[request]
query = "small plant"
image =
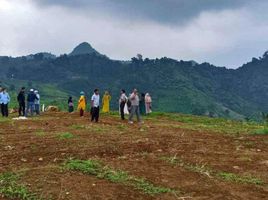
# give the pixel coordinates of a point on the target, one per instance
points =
(240, 179)
(66, 135)
(9, 188)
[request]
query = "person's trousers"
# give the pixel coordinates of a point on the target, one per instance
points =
(37, 108)
(30, 108)
(122, 107)
(81, 112)
(21, 108)
(135, 110)
(4, 110)
(95, 114)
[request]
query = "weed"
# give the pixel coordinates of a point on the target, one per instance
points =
(239, 179)
(65, 135)
(11, 189)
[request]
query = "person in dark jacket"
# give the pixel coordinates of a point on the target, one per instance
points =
(21, 100)
(30, 102)
(70, 104)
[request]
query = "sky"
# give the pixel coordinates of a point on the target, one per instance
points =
(222, 32)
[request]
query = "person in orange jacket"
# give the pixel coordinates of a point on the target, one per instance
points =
(82, 104)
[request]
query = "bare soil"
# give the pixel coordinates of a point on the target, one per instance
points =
(33, 149)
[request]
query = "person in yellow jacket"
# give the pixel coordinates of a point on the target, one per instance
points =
(82, 104)
(106, 102)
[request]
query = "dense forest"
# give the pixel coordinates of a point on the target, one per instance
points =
(176, 86)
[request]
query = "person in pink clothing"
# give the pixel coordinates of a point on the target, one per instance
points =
(148, 103)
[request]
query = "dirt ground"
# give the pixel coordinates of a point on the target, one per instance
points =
(34, 149)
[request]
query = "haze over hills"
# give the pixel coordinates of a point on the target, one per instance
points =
(176, 86)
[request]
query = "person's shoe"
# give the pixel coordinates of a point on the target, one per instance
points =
(130, 122)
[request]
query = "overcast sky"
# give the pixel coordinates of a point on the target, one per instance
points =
(222, 32)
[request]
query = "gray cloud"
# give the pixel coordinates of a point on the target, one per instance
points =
(161, 11)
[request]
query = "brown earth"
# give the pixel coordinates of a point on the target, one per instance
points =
(33, 149)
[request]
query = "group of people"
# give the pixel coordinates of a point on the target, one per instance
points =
(134, 104)
(33, 102)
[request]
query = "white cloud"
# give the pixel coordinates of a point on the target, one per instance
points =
(228, 37)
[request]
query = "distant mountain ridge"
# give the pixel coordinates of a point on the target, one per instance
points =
(176, 86)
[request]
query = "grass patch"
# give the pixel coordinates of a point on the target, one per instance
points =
(40, 133)
(9, 188)
(78, 127)
(66, 135)
(93, 167)
(239, 179)
(204, 170)
(263, 131)
(218, 125)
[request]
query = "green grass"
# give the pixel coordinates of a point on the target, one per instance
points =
(203, 123)
(263, 131)
(65, 135)
(205, 170)
(40, 133)
(239, 179)
(93, 167)
(10, 188)
(78, 127)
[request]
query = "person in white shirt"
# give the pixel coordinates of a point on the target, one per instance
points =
(122, 103)
(148, 103)
(37, 102)
(95, 106)
(135, 110)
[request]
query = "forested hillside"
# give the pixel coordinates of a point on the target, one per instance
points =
(176, 86)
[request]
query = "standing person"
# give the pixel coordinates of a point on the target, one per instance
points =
(70, 105)
(5, 99)
(106, 102)
(30, 102)
(148, 103)
(95, 106)
(142, 104)
(134, 98)
(37, 102)
(82, 104)
(1, 92)
(21, 100)
(122, 103)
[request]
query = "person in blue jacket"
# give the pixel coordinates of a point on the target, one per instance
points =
(30, 102)
(5, 99)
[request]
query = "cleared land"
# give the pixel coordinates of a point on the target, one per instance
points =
(63, 156)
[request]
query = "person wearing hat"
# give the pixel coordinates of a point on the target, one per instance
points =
(135, 110)
(82, 104)
(21, 100)
(37, 102)
(30, 102)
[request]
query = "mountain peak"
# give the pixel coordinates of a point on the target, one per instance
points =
(83, 48)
